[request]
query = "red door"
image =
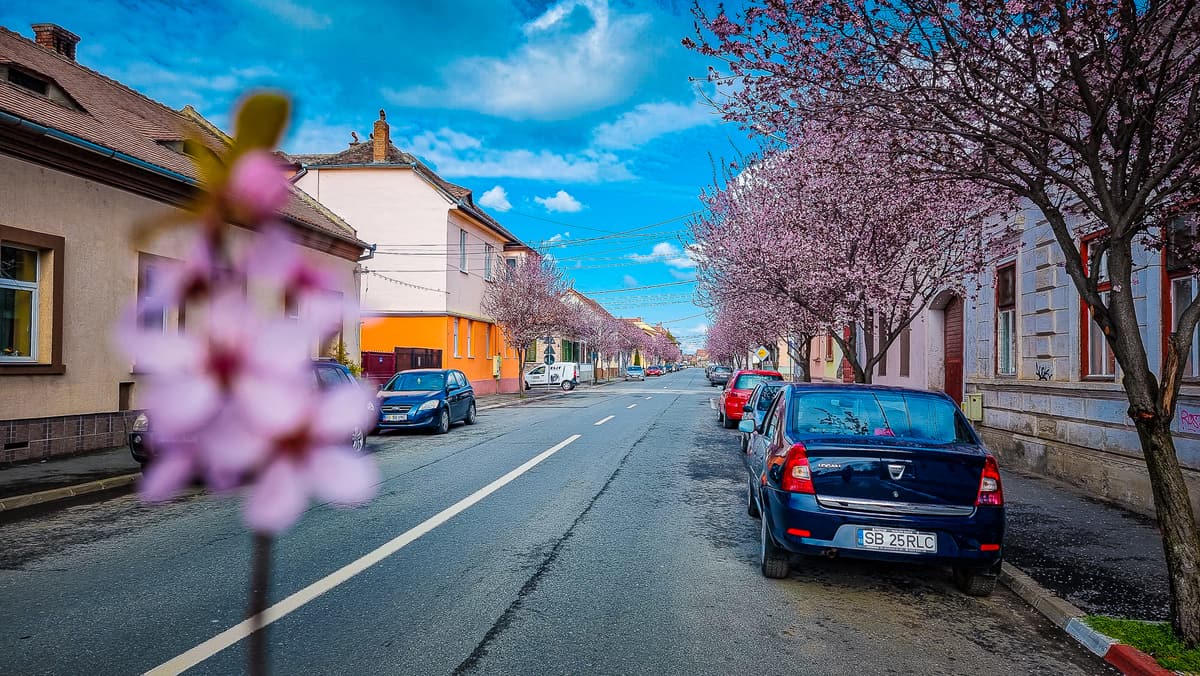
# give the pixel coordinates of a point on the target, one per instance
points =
(952, 339)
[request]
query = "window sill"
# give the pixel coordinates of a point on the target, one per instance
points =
(463, 271)
(31, 369)
(1099, 379)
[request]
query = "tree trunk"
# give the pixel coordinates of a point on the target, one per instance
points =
(1177, 523)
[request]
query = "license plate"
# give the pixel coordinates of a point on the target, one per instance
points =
(890, 540)
(395, 417)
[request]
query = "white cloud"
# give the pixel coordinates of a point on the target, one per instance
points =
(457, 154)
(294, 13)
(566, 65)
(629, 280)
(496, 198)
(648, 121)
(561, 201)
(669, 254)
(558, 237)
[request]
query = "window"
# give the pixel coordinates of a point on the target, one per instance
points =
(460, 380)
(1006, 320)
(902, 414)
(456, 354)
(489, 252)
(31, 303)
(1183, 291)
(470, 345)
(462, 250)
(1097, 357)
(883, 360)
(829, 347)
(511, 263)
(19, 303)
(26, 81)
(152, 314)
(905, 351)
(487, 340)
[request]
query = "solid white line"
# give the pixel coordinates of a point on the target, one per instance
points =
(604, 420)
(294, 602)
(631, 406)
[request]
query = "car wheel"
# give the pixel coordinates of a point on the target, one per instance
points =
(357, 439)
(751, 503)
(470, 419)
(729, 424)
(527, 386)
(974, 582)
(773, 560)
(720, 417)
(744, 442)
(567, 385)
(443, 425)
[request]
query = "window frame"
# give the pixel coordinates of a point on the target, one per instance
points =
(470, 343)
(906, 352)
(462, 251)
(489, 252)
(1089, 331)
(55, 247)
(33, 289)
(1009, 309)
(457, 355)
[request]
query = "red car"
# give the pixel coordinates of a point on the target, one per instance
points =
(654, 370)
(737, 392)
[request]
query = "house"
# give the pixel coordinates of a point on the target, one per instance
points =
(592, 364)
(83, 160)
(1051, 391)
(436, 253)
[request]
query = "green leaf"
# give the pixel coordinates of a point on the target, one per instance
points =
(261, 120)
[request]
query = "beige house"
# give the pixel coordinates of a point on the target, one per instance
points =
(83, 159)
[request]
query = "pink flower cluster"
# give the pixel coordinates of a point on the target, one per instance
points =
(232, 399)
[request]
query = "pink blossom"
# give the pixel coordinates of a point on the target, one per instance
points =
(257, 187)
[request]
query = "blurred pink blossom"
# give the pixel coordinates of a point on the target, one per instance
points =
(257, 187)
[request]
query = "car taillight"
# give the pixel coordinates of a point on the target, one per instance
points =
(797, 475)
(991, 494)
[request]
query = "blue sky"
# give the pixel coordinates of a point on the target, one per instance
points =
(569, 120)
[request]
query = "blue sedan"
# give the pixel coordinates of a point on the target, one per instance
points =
(878, 473)
(426, 398)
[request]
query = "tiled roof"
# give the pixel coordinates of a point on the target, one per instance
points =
(119, 118)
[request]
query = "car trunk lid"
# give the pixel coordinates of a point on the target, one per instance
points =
(895, 477)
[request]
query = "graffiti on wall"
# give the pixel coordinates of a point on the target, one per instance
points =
(1042, 371)
(1189, 421)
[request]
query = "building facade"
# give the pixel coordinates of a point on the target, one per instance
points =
(83, 161)
(437, 251)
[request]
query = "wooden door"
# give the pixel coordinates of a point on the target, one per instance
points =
(952, 340)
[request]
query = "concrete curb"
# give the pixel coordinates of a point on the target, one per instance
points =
(55, 494)
(1127, 659)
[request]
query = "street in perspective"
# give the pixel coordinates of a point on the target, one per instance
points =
(599, 337)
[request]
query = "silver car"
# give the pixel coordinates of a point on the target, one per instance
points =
(635, 373)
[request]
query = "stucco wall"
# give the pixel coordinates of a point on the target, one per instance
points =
(466, 289)
(101, 267)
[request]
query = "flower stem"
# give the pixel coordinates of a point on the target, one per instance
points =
(259, 582)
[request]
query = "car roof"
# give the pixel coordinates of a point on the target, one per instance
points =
(860, 387)
(758, 372)
(426, 371)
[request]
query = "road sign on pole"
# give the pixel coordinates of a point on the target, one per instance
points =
(762, 353)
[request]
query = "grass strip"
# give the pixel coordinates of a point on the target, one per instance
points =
(1156, 639)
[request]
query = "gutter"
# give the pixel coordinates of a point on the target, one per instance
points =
(41, 130)
(370, 253)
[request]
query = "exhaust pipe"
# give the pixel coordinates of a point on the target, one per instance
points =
(830, 553)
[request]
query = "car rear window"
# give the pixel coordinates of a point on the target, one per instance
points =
(911, 415)
(722, 369)
(767, 396)
(747, 381)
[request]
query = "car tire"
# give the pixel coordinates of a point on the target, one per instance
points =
(443, 425)
(744, 442)
(772, 559)
(751, 503)
(974, 582)
(527, 386)
(358, 440)
(720, 418)
(567, 385)
(470, 419)
(729, 424)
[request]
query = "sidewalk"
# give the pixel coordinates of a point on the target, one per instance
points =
(27, 478)
(1101, 558)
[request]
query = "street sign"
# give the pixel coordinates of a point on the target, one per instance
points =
(549, 360)
(762, 353)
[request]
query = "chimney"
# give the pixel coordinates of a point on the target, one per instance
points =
(56, 38)
(380, 138)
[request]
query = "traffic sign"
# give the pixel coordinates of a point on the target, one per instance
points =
(549, 360)
(762, 353)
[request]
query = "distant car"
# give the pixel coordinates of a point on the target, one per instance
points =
(719, 375)
(426, 398)
(878, 473)
(565, 374)
(756, 406)
(635, 373)
(737, 391)
(326, 374)
(654, 370)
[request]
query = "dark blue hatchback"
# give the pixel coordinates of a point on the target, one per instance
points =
(874, 472)
(426, 398)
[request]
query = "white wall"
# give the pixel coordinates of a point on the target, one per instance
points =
(466, 289)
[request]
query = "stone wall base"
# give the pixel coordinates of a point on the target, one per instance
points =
(1111, 477)
(35, 439)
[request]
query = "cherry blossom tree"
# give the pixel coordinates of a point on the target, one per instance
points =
(527, 302)
(1086, 110)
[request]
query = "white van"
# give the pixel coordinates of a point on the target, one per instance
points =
(565, 374)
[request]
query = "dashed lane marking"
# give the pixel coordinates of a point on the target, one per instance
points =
(604, 420)
(631, 406)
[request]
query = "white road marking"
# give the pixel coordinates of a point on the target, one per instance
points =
(649, 397)
(297, 600)
(631, 406)
(604, 420)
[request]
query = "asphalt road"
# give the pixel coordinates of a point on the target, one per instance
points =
(626, 550)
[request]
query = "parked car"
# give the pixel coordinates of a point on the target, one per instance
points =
(719, 375)
(565, 374)
(426, 398)
(737, 391)
(874, 472)
(654, 370)
(327, 373)
(761, 398)
(635, 373)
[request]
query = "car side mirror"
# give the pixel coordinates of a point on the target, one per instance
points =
(746, 425)
(747, 409)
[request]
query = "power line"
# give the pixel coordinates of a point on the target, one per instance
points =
(638, 288)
